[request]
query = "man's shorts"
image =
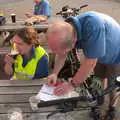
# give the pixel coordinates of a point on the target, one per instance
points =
(107, 71)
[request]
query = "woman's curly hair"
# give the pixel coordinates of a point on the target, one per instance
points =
(29, 35)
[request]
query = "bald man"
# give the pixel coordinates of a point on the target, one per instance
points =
(98, 35)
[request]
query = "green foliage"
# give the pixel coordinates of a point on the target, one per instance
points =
(94, 84)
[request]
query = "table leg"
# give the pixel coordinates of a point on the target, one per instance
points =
(8, 38)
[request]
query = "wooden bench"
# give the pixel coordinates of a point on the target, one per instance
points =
(16, 93)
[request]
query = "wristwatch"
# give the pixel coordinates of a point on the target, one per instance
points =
(73, 84)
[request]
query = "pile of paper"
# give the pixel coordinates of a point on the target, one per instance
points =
(46, 93)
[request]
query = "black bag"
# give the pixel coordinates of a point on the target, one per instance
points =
(2, 20)
(71, 65)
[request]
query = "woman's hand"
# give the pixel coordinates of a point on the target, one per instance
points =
(8, 64)
(9, 60)
(28, 15)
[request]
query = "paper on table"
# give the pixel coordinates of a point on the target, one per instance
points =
(46, 93)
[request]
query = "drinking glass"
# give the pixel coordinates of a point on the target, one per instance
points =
(15, 114)
(34, 100)
(13, 17)
(14, 52)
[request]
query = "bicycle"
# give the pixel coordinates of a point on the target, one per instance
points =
(71, 104)
(67, 11)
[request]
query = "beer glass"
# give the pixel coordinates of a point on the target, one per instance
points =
(14, 52)
(13, 17)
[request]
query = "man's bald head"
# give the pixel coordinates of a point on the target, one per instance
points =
(60, 35)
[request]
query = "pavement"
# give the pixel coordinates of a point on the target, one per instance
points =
(111, 7)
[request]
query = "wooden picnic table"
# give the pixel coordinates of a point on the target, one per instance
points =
(15, 94)
(20, 24)
(11, 27)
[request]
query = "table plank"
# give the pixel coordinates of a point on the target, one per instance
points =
(19, 90)
(5, 83)
(14, 98)
(17, 26)
(25, 107)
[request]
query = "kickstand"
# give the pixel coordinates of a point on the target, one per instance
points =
(60, 111)
(53, 113)
(63, 108)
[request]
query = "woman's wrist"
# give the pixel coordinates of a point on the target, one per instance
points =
(9, 64)
(8, 69)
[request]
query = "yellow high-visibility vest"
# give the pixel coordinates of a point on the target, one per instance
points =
(27, 72)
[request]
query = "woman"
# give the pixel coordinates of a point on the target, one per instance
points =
(32, 60)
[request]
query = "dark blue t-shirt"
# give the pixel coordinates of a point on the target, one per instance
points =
(98, 35)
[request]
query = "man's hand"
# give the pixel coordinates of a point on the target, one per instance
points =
(28, 15)
(63, 89)
(52, 79)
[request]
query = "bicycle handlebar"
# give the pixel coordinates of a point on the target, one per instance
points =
(59, 13)
(83, 6)
(71, 10)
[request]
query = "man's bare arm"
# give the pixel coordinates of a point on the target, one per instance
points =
(59, 62)
(29, 15)
(84, 71)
